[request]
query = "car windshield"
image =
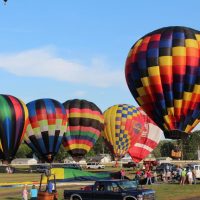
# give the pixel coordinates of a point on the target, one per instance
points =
(128, 185)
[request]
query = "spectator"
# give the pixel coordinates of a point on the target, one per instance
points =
(138, 175)
(122, 174)
(25, 193)
(189, 177)
(149, 176)
(183, 177)
(155, 177)
(49, 187)
(179, 171)
(194, 175)
(33, 193)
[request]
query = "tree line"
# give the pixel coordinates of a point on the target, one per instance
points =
(189, 148)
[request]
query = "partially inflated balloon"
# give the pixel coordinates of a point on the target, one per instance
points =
(123, 127)
(13, 122)
(47, 125)
(84, 127)
(163, 74)
(148, 141)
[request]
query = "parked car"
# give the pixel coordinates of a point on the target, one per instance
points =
(129, 165)
(42, 168)
(94, 165)
(111, 189)
(67, 165)
(166, 167)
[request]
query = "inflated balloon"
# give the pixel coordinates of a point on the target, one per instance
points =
(163, 74)
(148, 141)
(123, 127)
(84, 127)
(47, 125)
(13, 122)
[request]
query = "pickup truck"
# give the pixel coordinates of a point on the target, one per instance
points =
(111, 189)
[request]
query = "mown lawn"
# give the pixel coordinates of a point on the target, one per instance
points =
(163, 191)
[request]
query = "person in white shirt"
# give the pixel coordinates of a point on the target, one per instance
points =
(190, 177)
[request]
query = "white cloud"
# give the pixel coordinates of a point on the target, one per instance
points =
(79, 94)
(45, 63)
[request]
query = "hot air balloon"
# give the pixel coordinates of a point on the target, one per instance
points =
(84, 127)
(47, 124)
(13, 122)
(148, 141)
(123, 127)
(163, 74)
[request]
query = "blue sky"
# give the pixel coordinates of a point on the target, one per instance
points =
(77, 49)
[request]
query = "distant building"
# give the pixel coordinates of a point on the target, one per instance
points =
(102, 158)
(164, 160)
(127, 158)
(24, 161)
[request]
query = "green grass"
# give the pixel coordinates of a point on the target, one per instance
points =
(163, 191)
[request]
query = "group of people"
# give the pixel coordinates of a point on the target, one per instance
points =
(33, 193)
(50, 188)
(181, 175)
(146, 176)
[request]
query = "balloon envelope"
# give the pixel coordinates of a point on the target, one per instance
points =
(148, 141)
(13, 122)
(123, 127)
(47, 124)
(84, 127)
(163, 74)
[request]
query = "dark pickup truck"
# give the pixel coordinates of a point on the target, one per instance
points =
(111, 189)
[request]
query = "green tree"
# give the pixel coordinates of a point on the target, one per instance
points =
(61, 155)
(166, 148)
(23, 151)
(190, 146)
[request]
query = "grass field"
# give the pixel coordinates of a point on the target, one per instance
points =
(163, 191)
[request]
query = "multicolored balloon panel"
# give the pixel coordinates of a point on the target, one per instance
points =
(123, 127)
(47, 125)
(163, 74)
(148, 141)
(13, 122)
(84, 128)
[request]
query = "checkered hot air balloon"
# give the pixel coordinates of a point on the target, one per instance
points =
(47, 124)
(13, 122)
(148, 141)
(123, 127)
(163, 74)
(84, 127)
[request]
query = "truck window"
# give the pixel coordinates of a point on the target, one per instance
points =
(100, 187)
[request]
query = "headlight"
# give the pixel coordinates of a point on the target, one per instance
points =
(140, 197)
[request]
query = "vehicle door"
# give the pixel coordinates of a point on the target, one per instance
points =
(113, 191)
(107, 191)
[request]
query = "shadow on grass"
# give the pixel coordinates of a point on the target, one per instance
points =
(10, 198)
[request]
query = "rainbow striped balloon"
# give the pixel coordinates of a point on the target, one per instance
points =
(123, 127)
(47, 124)
(163, 74)
(84, 127)
(13, 122)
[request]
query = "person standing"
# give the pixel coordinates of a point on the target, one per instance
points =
(149, 176)
(189, 177)
(122, 174)
(183, 177)
(194, 175)
(25, 193)
(34, 193)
